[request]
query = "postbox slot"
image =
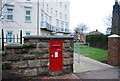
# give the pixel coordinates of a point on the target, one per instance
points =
(56, 45)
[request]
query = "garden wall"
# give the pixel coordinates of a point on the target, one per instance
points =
(32, 57)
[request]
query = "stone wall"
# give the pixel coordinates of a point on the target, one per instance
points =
(32, 57)
(114, 50)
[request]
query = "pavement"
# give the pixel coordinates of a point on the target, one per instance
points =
(111, 73)
(85, 64)
(87, 68)
(69, 77)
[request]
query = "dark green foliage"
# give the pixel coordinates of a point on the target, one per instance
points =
(98, 40)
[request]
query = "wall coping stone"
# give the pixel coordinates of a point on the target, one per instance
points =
(48, 37)
(14, 46)
(112, 36)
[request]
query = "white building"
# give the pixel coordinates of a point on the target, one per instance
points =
(35, 17)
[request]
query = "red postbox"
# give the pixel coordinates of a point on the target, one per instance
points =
(56, 55)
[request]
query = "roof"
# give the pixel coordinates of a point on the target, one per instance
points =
(95, 32)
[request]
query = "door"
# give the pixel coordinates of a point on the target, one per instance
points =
(56, 56)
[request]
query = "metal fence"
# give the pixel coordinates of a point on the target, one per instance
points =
(81, 49)
(11, 39)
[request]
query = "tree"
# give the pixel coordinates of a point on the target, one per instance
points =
(80, 29)
(108, 22)
(2, 6)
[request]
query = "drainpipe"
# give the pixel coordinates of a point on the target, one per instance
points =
(0, 8)
(38, 18)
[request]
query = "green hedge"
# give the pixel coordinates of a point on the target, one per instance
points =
(98, 40)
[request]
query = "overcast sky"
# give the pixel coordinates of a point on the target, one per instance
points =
(90, 12)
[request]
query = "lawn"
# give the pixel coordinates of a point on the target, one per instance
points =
(91, 52)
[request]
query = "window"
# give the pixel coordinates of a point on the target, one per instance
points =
(50, 22)
(65, 6)
(61, 4)
(62, 26)
(9, 14)
(28, 34)
(56, 13)
(42, 19)
(46, 18)
(47, 8)
(28, 15)
(51, 11)
(66, 27)
(65, 17)
(60, 15)
(57, 25)
(9, 37)
(43, 4)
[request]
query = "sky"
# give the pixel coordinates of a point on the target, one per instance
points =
(90, 12)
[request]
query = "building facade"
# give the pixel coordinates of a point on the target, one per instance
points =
(116, 18)
(35, 17)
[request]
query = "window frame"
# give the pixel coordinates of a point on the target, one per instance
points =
(9, 37)
(47, 7)
(56, 13)
(27, 33)
(65, 17)
(28, 15)
(9, 14)
(60, 15)
(62, 26)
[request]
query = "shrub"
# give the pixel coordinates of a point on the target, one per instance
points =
(98, 40)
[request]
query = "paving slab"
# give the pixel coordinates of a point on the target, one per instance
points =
(85, 64)
(65, 77)
(111, 73)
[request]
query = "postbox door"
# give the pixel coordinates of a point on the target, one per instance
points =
(55, 56)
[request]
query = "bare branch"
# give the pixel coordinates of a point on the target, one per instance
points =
(81, 28)
(108, 20)
(4, 5)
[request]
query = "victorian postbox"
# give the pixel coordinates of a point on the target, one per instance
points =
(56, 55)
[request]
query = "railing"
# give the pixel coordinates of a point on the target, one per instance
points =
(11, 39)
(45, 25)
(67, 31)
(81, 49)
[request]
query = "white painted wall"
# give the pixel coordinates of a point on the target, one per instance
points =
(19, 22)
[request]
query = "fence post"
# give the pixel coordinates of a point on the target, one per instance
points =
(2, 40)
(13, 38)
(17, 38)
(20, 36)
(7, 38)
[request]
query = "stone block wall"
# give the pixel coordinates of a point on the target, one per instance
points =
(32, 57)
(114, 50)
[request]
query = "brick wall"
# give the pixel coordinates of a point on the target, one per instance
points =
(114, 50)
(32, 57)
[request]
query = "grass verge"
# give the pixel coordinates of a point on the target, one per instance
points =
(94, 53)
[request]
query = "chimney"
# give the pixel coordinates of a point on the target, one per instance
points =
(96, 30)
(116, 1)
